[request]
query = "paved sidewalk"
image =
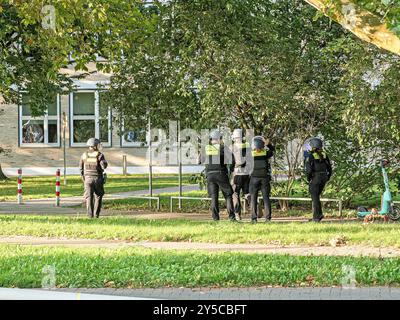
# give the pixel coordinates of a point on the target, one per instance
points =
(70, 204)
(263, 293)
(40, 294)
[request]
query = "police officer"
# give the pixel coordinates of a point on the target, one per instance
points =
(240, 170)
(216, 157)
(318, 172)
(260, 176)
(92, 166)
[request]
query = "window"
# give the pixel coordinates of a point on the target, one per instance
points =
(40, 131)
(89, 118)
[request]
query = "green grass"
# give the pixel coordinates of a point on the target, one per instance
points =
(136, 267)
(43, 187)
(127, 228)
(298, 209)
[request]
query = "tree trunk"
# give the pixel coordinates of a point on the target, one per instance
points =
(362, 23)
(2, 175)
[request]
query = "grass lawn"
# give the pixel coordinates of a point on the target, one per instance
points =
(133, 229)
(298, 209)
(43, 187)
(22, 266)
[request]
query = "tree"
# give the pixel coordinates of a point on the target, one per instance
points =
(37, 42)
(269, 66)
(363, 125)
(252, 64)
(374, 21)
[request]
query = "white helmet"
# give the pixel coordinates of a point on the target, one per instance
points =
(237, 134)
(215, 135)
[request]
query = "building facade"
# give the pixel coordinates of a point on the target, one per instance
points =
(38, 144)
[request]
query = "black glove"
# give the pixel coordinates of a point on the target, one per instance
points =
(104, 178)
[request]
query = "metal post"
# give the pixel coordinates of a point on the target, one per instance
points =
(180, 164)
(124, 166)
(19, 196)
(150, 166)
(64, 147)
(340, 209)
(58, 187)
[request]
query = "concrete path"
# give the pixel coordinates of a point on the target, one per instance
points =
(70, 204)
(41, 294)
(299, 250)
(262, 293)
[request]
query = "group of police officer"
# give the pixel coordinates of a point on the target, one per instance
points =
(251, 173)
(249, 164)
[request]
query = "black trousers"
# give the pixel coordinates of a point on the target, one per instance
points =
(216, 181)
(316, 187)
(263, 184)
(94, 192)
(240, 183)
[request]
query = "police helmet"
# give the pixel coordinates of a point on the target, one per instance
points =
(316, 143)
(258, 143)
(93, 142)
(237, 134)
(215, 135)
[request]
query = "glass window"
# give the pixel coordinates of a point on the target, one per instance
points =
(26, 110)
(33, 131)
(104, 129)
(83, 130)
(52, 108)
(39, 131)
(89, 118)
(53, 131)
(84, 103)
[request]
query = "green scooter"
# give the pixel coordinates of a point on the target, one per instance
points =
(387, 206)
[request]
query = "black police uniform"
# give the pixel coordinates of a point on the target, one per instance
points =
(241, 174)
(215, 157)
(318, 171)
(92, 166)
(260, 178)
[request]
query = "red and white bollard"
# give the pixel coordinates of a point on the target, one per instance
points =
(58, 172)
(19, 196)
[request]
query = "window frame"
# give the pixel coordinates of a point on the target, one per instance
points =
(45, 118)
(96, 118)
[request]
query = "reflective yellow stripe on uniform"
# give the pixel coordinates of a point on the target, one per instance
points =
(260, 153)
(316, 155)
(212, 149)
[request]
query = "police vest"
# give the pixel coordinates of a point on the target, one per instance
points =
(261, 166)
(91, 163)
(215, 158)
(320, 162)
